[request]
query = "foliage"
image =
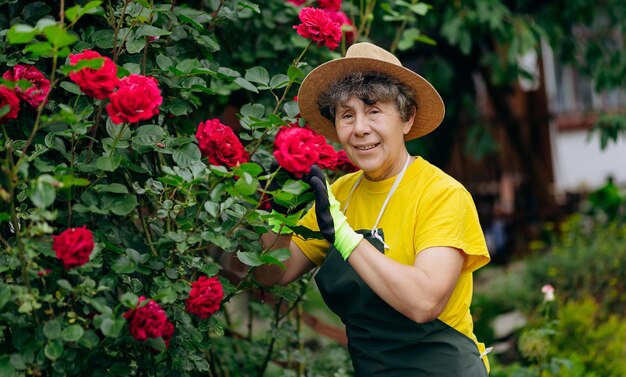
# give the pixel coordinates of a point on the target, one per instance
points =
(162, 218)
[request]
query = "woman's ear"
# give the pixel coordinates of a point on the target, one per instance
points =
(409, 123)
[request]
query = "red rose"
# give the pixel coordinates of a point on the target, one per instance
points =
(346, 24)
(333, 5)
(327, 155)
(297, 148)
(149, 321)
(137, 98)
(73, 246)
(96, 83)
(8, 98)
(205, 297)
(319, 27)
(39, 89)
(344, 163)
(220, 144)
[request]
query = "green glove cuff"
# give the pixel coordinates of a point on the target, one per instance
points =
(346, 239)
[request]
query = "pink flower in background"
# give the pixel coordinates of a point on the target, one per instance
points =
(319, 27)
(97, 83)
(333, 5)
(344, 163)
(137, 98)
(149, 321)
(297, 148)
(346, 24)
(39, 89)
(219, 144)
(8, 98)
(296, 2)
(205, 297)
(73, 246)
(548, 293)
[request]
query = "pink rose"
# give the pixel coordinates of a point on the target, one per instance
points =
(39, 89)
(319, 27)
(297, 148)
(96, 83)
(296, 2)
(219, 144)
(8, 98)
(344, 163)
(73, 246)
(346, 24)
(205, 297)
(137, 98)
(149, 321)
(333, 5)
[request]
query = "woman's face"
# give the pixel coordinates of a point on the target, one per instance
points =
(373, 136)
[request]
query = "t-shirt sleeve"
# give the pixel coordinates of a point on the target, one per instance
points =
(313, 249)
(449, 218)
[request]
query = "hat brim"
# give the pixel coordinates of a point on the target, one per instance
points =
(430, 107)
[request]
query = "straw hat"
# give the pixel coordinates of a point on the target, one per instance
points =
(367, 57)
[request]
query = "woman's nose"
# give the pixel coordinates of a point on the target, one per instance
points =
(361, 126)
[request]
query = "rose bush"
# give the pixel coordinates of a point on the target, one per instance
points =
(131, 192)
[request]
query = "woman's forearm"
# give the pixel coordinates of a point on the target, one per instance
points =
(419, 291)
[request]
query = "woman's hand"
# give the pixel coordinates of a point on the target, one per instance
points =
(331, 221)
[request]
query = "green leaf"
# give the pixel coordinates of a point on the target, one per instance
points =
(164, 62)
(52, 329)
(108, 163)
(245, 84)
(150, 31)
(70, 87)
(6, 369)
(38, 49)
(116, 188)
(149, 134)
(43, 193)
(77, 11)
(89, 340)
(72, 333)
(186, 155)
(5, 295)
(295, 73)
(17, 362)
(122, 205)
(249, 258)
(21, 33)
(129, 300)
(53, 350)
(112, 327)
(187, 65)
(135, 46)
(258, 75)
(279, 81)
(123, 265)
(156, 343)
(246, 185)
(58, 36)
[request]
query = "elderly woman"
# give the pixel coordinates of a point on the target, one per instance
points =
(402, 238)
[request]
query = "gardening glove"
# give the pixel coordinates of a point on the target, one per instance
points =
(332, 222)
(286, 203)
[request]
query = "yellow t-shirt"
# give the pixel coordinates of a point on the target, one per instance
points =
(429, 208)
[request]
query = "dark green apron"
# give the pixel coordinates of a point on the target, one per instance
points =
(383, 342)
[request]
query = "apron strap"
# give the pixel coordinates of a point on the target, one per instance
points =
(396, 182)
